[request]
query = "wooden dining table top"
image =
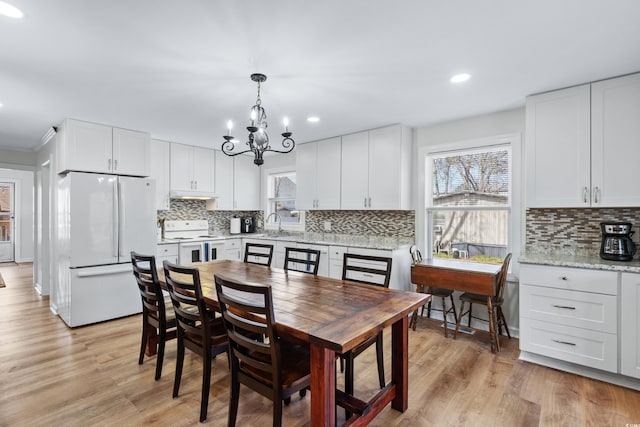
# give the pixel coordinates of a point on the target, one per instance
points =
(463, 276)
(334, 314)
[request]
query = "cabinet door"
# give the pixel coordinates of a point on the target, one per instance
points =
(615, 141)
(203, 169)
(223, 181)
(385, 150)
(355, 171)
(181, 176)
(159, 155)
(246, 184)
(88, 147)
(558, 148)
(630, 325)
(327, 173)
(130, 152)
(306, 176)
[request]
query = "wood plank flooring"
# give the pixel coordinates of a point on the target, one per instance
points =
(51, 375)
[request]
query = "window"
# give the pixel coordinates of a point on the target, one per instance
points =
(468, 203)
(281, 196)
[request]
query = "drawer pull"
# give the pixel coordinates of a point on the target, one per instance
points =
(564, 342)
(564, 278)
(565, 307)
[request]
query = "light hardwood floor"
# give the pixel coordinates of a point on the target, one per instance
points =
(51, 375)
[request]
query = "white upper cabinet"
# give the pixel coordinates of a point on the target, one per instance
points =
(615, 141)
(160, 155)
(192, 169)
(224, 182)
(376, 169)
(318, 174)
(246, 184)
(92, 147)
(582, 145)
(237, 183)
(558, 148)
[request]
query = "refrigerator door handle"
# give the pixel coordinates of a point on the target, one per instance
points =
(121, 221)
(116, 225)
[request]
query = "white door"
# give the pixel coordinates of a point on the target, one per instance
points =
(131, 152)
(136, 216)
(306, 187)
(328, 174)
(92, 219)
(7, 243)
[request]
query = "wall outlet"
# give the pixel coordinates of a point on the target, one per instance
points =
(327, 226)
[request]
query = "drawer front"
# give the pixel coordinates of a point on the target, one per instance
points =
(370, 252)
(588, 348)
(230, 244)
(596, 312)
(574, 279)
(337, 252)
(167, 250)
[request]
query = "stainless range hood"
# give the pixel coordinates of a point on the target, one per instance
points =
(191, 195)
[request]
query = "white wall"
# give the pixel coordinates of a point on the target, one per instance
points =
(474, 128)
(24, 209)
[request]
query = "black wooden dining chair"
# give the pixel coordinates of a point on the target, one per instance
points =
(272, 366)
(370, 270)
(496, 304)
(157, 309)
(300, 259)
(199, 329)
(258, 253)
(441, 293)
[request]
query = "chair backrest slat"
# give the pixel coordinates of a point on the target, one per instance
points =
(502, 277)
(258, 253)
(302, 259)
(371, 270)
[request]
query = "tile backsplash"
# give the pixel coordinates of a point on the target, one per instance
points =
(573, 231)
(399, 225)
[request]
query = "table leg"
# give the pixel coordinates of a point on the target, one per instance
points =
(493, 335)
(400, 363)
(323, 386)
(152, 342)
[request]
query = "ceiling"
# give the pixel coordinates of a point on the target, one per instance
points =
(180, 69)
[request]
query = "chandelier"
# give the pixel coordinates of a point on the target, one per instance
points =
(258, 141)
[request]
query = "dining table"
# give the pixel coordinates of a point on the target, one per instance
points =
(333, 316)
(464, 276)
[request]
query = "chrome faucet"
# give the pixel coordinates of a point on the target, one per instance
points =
(266, 221)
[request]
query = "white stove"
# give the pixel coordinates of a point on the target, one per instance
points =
(195, 242)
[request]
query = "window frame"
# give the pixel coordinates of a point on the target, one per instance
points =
(273, 226)
(424, 235)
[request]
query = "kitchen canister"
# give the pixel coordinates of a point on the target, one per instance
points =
(235, 226)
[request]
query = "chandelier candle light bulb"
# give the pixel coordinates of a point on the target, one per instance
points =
(258, 140)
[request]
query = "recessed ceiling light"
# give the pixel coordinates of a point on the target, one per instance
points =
(459, 78)
(313, 119)
(11, 11)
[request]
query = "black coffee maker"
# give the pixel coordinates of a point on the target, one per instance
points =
(616, 241)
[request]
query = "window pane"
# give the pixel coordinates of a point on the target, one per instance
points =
(284, 186)
(480, 235)
(471, 179)
(286, 209)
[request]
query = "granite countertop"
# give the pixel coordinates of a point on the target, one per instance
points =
(368, 242)
(593, 262)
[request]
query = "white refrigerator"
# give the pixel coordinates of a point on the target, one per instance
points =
(101, 219)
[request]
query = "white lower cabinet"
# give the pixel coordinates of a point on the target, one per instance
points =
(336, 261)
(630, 325)
(166, 252)
(570, 314)
(233, 249)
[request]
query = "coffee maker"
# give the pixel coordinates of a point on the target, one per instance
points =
(616, 241)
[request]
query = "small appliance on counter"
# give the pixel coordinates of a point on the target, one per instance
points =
(234, 227)
(248, 224)
(616, 241)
